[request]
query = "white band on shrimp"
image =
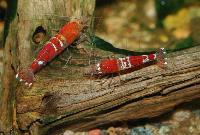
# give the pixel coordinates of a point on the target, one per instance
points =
(125, 63)
(61, 43)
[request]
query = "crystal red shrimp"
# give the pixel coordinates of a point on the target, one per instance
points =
(109, 66)
(66, 36)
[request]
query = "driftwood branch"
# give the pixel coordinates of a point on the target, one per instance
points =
(84, 104)
(23, 19)
(62, 98)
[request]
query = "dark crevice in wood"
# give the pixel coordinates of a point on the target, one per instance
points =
(13, 68)
(57, 102)
(132, 101)
(39, 34)
(27, 130)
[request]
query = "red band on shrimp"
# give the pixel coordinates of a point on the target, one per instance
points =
(66, 36)
(108, 66)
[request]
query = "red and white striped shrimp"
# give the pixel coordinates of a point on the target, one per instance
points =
(66, 36)
(109, 66)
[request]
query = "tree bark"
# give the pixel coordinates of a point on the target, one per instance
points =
(7, 91)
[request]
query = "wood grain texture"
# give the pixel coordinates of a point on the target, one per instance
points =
(24, 17)
(7, 92)
(62, 98)
(84, 104)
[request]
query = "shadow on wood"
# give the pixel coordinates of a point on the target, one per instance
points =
(61, 98)
(60, 103)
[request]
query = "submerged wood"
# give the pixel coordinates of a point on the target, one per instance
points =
(23, 18)
(60, 103)
(61, 98)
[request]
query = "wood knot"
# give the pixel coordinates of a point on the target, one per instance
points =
(39, 34)
(49, 103)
